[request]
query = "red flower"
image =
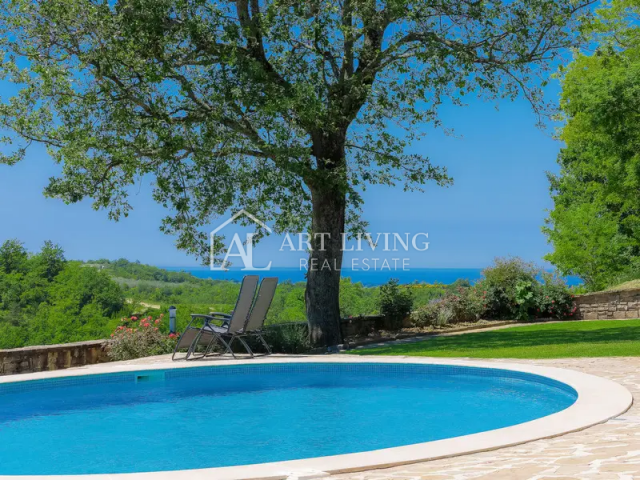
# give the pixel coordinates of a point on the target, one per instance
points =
(157, 321)
(146, 325)
(134, 318)
(553, 301)
(172, 335)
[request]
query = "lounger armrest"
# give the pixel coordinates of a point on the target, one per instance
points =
(201, 315)
(220, 314)
(209, 318)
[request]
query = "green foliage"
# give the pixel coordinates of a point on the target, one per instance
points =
(525, 298)
(425, 315)
(467, 303)
(553, 299)
(500, 283)
(137, 338)
(44, 299)
(137, 271)
(214, 295)
(288, 337)
(510, 289)
(13, 257)
(395, 301)
(463, 304)
(595, 223)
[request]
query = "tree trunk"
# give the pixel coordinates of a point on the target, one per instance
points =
(328, 200)
(322, 294)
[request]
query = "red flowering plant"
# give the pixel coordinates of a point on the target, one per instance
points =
(140, 337)
(554, 299)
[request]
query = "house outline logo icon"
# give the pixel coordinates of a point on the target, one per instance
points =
(246, 254)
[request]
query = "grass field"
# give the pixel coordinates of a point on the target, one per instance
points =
(607, 338)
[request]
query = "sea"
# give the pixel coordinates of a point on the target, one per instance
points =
(366, 277)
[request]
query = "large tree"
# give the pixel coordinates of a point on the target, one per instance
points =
(286, 108)
(595, 224)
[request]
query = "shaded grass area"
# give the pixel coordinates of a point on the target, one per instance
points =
(608, 338)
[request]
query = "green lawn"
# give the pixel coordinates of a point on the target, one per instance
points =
(552, 340)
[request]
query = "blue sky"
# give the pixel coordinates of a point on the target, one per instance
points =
(496, 206)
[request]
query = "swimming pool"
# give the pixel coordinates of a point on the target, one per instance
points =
(216, 416)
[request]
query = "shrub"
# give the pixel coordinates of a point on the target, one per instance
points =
(467, 304)
(287, 338)
(444, 313)
(504, 281)
(554, 299)
(525, 297)
(425, 315)
(396, 302)
(140, 338)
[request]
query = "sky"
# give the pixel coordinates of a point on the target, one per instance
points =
(496, 207)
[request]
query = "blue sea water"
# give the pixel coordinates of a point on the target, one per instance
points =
(234, 415)
(368, 278)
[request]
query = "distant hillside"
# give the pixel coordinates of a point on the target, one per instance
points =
(47, 299)
(123, 268)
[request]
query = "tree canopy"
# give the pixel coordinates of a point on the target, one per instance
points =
(595, 223)
(46, 299)
(223, 102)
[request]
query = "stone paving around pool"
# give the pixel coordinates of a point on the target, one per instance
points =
(607, 451)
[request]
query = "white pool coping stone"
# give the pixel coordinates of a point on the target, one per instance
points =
(598, 400)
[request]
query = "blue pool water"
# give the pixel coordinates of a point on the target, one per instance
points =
(233, 415)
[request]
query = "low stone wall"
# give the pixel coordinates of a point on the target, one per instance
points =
(366, 324)
(52, 357)
(608, 305)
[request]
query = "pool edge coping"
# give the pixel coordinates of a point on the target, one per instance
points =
(599, 400)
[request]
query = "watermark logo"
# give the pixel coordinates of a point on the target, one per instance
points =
(244, 251)
(302, 242)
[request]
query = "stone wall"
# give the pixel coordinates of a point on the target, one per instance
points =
(363, 325)
(609, 305)
(52, 357)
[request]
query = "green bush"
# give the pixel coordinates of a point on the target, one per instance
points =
(504, 282)
(396, 302)
(465, 304)
(425, 315)
(554, 299)
(288, 337)
(526, 299)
